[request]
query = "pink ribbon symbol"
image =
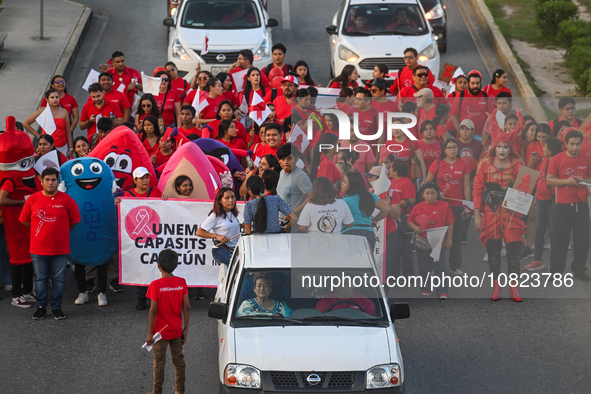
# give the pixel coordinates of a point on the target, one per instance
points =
(142, 218)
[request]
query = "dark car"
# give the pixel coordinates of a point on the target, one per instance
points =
(435, 13)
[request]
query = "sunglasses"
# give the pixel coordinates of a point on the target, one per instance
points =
(165, 80)
(374, 90)
(146, 105)
(409, 57)
(60, 82)
(422, 75)
(203, 78)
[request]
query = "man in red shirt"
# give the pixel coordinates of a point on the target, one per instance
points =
(123, 75)
(425, 104)
(472, 104)
(566, 173)
(273, 138)
(404, 79)
(50, 214)
(114, 96)
(368, 116)
(244, 62)
(380, 102)
(278, 51)
(420, 81)
(283, 103)
(98, 106)
(567, 108)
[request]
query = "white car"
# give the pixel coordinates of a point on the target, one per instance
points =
(367, 32)
(308, 341)
(233, 25)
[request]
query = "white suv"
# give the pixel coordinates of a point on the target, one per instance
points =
(279, 331)
(233, 25)
(367, 32)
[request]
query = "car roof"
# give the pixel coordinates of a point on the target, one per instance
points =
(305, 250)
(361, 2)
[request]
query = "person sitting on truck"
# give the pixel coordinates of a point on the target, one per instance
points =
(338, 300)
(262, 303)
(281, 288)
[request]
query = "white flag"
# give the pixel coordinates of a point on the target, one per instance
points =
(238, 79)
(46, 161)
(299, 138)
(382, 184)
(135, 105)
(435, 237)
(93, 77)
(243, 106)
(258, 111)
(45, 120)
(197, 103)
(151, 84)
(205, 44)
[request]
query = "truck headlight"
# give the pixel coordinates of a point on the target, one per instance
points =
(244, 376)
(347, 54)
(435, 12)
(382, 376)
(428, 53)
(263, 51)
(179, 52)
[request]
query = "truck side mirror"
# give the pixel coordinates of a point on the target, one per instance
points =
(399, 310)
(331, 29)
(218, 310)
(272, 22)
(168, 22)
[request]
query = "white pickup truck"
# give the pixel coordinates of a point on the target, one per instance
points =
(286, 326)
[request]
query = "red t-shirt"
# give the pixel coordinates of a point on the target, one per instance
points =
(266, 150)
(534, 147)
(544, 194)
(564, 167)
(161, 158)
(391, 224)
(90, 109)
(430, 152)
(400, 150)
(188, 132)
(368, 121)
(167, 109)
(388, 106)
(67, 102)
(264, 79)
(574, 124)
(337, 85)
(50, 219)
(240, 130)
(332, 298)
(451, 179)
(408, 94)
(234, 143)
(211, 109)
(169, 293)
(282, 109)
(473, 108)
(229, 95)
(405, 188)
(150, 149)
(425, 115)
(115, 97)
(488, 89)
(438, 213)
(180, 87)
(329, 169)
(440, 132)
(125, 78)
(152, 192)
(405, 79)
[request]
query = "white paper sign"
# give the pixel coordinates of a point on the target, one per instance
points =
(48, 160)
(155, 338)
(151, 84)
(299, 138)
(259, 110)
(148, 226)
(198, 103)
(382, 184)
(93, 77)
(238, 80)
(517, 201)
(46, 121)
(435, 237)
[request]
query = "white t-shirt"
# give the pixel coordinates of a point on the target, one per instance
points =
(228, 226)
(325, 218)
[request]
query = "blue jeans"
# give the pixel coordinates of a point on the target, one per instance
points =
(221, 255)
(543, 222)
(455, 252)
(426, 264)
(368, 234)
(403, 259)
(46, 268)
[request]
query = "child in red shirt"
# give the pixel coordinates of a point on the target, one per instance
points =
(170, 303)
(432, 213)
(187, 115)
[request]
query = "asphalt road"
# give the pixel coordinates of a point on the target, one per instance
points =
(458, 345)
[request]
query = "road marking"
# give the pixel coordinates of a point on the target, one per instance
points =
(285, 15)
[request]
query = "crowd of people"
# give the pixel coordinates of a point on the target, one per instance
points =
(470, 145)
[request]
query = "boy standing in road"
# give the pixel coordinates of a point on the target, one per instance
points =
(170, 302)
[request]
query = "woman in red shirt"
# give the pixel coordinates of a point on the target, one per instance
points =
(226, 112)
(494, 174)
(168, 102)
(62, 136)
(67, 102)
(432, 213)
(227, 135)
(430, 148)
(214, 98)
(227, 88)
(179, 85)
(301, 68)
(163, 154)
(150, 135)
(323, 161)
(498, 84)
(452, 175)
(347, 78)
(535, 150)
(252, 83)
(146, 108)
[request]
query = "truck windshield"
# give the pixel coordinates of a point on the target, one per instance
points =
(208, 14)
(286, 296)
(384, 19)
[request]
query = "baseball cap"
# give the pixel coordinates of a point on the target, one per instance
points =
(140, 172)
(292, 79)
(375, 171)
(379, 83)
(468, 123)
(425, 92)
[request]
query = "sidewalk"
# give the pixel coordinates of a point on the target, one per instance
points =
(29, 63)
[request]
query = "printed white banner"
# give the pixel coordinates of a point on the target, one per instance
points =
(517, 201)
(148, 226)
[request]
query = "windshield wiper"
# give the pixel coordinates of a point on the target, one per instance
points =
(332, 317)
(394, 32)
(356, 33)
(270, 317)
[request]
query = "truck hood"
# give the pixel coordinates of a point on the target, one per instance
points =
(222, 39)
(312, 348)
(379, 46)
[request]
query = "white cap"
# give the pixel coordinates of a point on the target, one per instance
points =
(140, 172)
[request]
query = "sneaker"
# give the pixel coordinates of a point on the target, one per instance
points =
(20, 302)
(547, 246)
(8, 287)
(141, 303)
(58, 314)
(503, 252)
(200, 294)
(30, 297)
(102, 299)
(39, 313)
(456, 272)
(82, 299)
(580, 275)
(90, 287)
(115, 287)
(534, 266)
(465, 240)
(485, 258)
(526, 253)
(443, 296)
(426, 293)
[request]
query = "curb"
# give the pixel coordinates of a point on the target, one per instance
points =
(64, 66)
(508, 60)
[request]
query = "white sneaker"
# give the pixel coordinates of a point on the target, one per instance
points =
(30, 297)
(457, 271)
(82, 299)
(547, 246)
(485, 258)
(8, 287)
(20, 302)
(102, 299)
